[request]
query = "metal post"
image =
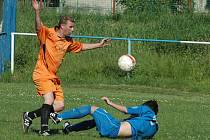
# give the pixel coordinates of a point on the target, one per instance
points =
(9, 25)
(12, 52)
(2, 45)
(129, 46)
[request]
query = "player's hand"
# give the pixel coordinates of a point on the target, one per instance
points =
(105, 42)
(36, 5)
(106, 99)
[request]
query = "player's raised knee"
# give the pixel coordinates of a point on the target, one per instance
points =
(59, 107)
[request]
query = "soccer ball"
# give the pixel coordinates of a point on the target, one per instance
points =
(126, 62)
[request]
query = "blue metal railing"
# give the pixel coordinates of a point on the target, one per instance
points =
(144, 40)
(2, 45)
(129, 40)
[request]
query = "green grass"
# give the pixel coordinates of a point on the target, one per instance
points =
(181, 66)
(182, 116)
(178, 76)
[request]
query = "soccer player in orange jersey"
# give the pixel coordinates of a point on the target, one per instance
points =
(54, 44)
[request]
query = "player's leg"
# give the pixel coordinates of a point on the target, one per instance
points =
(26, 122)
(81, 126)
(46, 88)
(35, 114)
(47, 107)
(106, 124)
(42, 87)
(78, 113)
(59, 98)
(75, 113)
(29, 116)
(58, 104)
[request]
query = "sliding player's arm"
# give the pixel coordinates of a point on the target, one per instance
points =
(114, 105)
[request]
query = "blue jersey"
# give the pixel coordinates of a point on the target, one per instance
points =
(143, 121)
(107, 125)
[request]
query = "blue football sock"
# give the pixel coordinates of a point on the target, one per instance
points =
(75, 113)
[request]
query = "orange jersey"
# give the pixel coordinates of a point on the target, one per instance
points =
(52, 51)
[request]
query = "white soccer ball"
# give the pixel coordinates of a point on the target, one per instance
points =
(126, 62)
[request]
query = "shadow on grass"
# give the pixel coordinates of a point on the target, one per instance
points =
(52, 131)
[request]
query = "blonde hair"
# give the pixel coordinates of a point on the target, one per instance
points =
(64, 19)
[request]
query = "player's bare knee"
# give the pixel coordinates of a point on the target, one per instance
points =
(48, 98)
(93, 109)
(58, 106)
(61, 108)
(49, 102)
(58, 109)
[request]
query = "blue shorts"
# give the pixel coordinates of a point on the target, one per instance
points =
(107, 125)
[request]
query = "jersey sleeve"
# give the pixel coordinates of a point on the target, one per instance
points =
(134, 110)
(75, 47)
(42, 34)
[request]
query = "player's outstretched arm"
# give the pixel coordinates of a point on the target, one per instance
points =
(114, 105)
(37, 8)
(104, 42)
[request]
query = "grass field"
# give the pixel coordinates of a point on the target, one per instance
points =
(182, 115)
(167, 65)
(177, 75)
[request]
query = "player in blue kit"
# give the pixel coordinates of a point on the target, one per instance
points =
(142, 123)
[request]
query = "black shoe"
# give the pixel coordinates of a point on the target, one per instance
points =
(26, 122)
(67, 125)
(54, 118)
(44, 133)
